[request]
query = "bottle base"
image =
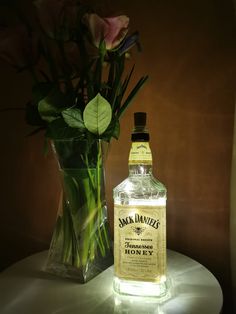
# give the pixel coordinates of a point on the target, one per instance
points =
(140, 288)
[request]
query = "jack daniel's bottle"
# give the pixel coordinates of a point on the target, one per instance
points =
(140, 222)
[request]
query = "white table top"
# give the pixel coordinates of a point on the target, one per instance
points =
(26, 289)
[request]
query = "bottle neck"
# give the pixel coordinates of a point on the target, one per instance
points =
(140, 159)
(140, 170)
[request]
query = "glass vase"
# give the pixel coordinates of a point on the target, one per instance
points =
(81, 244)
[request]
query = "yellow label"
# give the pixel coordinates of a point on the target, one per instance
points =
(140, 242)
(140, 153)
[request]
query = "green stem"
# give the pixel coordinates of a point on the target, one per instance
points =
(75, 258)
(99, 204)
(84, 226)
(92, 206)
(105, 235)
(87, 223)
(89, 172)
(67, 243)
(98, 242)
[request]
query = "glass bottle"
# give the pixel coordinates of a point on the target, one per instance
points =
(140, 222)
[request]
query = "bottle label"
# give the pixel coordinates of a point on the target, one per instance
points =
(140, 153)
(140, 242)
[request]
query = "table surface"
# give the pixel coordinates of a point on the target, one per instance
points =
(26, 289)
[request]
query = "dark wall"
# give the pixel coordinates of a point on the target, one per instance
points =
(189, 55)
(188, 52)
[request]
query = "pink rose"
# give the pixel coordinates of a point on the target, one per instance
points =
(112, 29)
(18, 47)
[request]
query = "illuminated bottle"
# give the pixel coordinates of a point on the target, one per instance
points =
(140, 222)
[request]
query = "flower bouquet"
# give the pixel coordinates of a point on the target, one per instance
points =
(77, 61)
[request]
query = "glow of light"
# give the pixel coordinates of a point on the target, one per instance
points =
(144, 289)
(142, 169)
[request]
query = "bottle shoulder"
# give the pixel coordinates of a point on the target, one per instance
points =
(140, 187)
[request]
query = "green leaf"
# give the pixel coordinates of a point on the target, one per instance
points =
(111, 76)
(113, 130)
(102, 48)
(73, 118)
(132, 95)
(97, 115)
(126, 81)
(119, 69)
(47, 111)
(116, 131)
(59, 129)
(41, 90)
(51, 106)
(124, 86)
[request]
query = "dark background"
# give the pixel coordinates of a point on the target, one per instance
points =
(189, 54)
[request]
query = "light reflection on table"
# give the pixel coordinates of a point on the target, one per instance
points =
(25, 289)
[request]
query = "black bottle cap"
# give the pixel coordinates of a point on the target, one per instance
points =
(140, 132)
(140, 119)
